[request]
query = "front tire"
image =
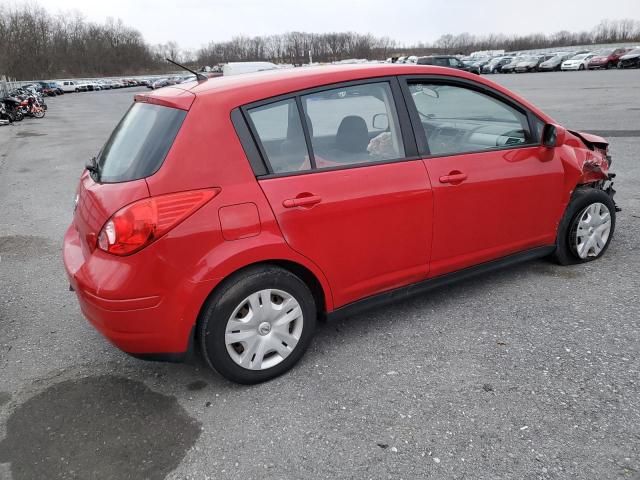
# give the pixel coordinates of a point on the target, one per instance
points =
(587, 227)
(257, 324)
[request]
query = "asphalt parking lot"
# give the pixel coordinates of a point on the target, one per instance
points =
(530, 372)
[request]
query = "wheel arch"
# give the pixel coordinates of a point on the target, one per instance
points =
(319, 289)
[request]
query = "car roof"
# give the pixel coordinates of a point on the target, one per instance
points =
(254, 86)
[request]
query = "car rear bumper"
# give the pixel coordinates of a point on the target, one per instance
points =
(156, 323)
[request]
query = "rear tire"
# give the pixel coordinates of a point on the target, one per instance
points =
(576, 229)
(257, 324)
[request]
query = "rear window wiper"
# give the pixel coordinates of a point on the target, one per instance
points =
(94, 169)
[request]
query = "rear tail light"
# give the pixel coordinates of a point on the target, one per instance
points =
(140, 223)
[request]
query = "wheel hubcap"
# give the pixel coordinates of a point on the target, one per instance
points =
(592, 232)
(264, 329)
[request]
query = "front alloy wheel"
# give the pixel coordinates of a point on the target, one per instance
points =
(592, 230)
(586, 230)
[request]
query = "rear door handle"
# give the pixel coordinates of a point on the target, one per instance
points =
(453, 177)
(308, 201)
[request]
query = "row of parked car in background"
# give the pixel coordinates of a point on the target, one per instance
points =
(560, 61)
(67, 86)
(60, 87)
(623, 57)
(527, 62)
(175, 80)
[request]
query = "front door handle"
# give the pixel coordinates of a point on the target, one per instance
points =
(454, 177)
(307, 201)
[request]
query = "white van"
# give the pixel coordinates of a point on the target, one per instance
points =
(236, 68)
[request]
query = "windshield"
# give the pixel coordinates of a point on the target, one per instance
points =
(140, 142)
(604, 53)
(580, 57)
(635, 51)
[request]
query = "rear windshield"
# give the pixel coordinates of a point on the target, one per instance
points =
(140, 142)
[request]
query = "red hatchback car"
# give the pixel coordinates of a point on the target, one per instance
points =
(230, 214)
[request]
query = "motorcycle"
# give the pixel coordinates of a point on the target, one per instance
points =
(32, 107)
(13, 107)
(31, 103)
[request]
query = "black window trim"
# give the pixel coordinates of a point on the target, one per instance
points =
(249, 144)
(307, 134)
(256, 153)
(418, 130)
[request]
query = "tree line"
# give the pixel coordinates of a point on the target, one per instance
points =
(35, 44)
(296, 47)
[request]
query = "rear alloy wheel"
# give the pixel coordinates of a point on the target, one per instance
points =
(257, 325)
(264, 329)
(587, 227)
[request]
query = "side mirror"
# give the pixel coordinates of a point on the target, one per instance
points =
(553, 135)
(380, 121)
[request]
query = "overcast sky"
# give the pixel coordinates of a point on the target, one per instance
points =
(193, 23)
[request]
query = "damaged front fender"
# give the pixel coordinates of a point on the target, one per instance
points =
(592, 160)
(586, 161)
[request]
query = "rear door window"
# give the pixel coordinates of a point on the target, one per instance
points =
(353, 125)
(140, 142)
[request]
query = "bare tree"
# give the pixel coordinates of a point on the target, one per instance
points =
(35, 44)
